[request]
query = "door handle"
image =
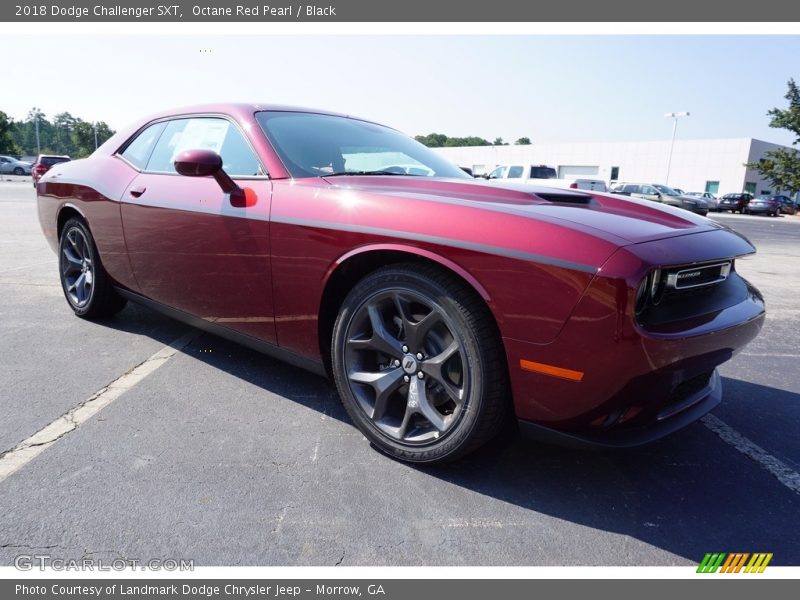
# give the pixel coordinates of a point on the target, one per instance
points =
(137, 191)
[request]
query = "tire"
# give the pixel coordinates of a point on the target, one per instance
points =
(84, 281)
(389, 320)
(19, 171)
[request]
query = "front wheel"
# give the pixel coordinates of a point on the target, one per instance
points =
(84, 281)
(419, 364)
(19, 171)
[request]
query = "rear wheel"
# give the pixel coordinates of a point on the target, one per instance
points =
(419, 364)
(84, 281)
(19, 171)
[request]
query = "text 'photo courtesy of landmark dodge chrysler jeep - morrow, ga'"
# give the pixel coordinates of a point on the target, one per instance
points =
(441, 305)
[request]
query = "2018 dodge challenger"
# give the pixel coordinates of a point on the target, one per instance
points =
(440, 305)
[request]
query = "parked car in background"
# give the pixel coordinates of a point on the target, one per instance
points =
(43, 164)
(711, 199)
(787, 206)
(734, 202)
(439, 304)
(11, 166)
(763, 205)
(544, 175)
(662, 193)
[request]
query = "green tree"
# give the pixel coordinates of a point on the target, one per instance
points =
(471, 140)
(432, 140)
(439, 140)
(523, 141)
(82, 137)
(499, 142)
(64, 126)
(7, 143)
(35, 131)
(781, 167)
(103, 132)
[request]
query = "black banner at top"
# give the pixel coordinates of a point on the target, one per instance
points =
(399, 11)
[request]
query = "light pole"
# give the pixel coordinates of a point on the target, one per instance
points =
(36, 125)
(673, 115)
(95, 134)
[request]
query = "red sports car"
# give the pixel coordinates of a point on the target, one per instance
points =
(439, 304)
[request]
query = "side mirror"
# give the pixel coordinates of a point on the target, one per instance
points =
(204, 163)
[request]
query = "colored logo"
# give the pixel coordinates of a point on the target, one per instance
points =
(734, 562)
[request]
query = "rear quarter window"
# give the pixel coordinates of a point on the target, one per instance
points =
(138, 150)
(543, 173)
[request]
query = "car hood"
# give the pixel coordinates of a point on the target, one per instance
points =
(621, 219)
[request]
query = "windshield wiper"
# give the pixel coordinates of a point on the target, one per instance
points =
(376, 172)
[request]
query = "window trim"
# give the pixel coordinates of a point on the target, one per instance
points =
(126, 143)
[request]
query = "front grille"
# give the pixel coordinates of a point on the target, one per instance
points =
(697, 276)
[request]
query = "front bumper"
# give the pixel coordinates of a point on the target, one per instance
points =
(634, 379)
(757, 209)
(690, 409)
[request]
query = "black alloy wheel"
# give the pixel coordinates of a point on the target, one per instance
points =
(419, 364)
(84, 281)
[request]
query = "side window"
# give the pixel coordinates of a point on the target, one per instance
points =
(205, 133)
(632, 189)
(514, 172)
(138, 151)
(497, 173)
(649, 190)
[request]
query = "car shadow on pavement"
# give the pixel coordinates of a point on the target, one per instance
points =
(252, 367)
(688, 494)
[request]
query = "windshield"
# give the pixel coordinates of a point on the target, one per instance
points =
(666, 190)
(314, 145)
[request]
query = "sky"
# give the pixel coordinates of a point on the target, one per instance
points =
(548, 88)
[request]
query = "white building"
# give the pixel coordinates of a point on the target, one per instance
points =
(715, 166)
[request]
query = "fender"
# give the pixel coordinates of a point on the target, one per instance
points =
(449, 264)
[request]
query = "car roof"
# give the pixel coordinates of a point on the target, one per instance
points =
(240, 111)
(242, 108)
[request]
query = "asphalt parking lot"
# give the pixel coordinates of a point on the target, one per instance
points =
(227, 457)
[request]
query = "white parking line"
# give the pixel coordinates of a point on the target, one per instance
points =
(772, 354)
(16, 458)
(784, 474)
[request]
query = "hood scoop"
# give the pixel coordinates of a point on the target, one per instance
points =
(565, 197)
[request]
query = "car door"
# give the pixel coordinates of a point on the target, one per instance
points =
(188, 247)
(497, 173)
(648, 192)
